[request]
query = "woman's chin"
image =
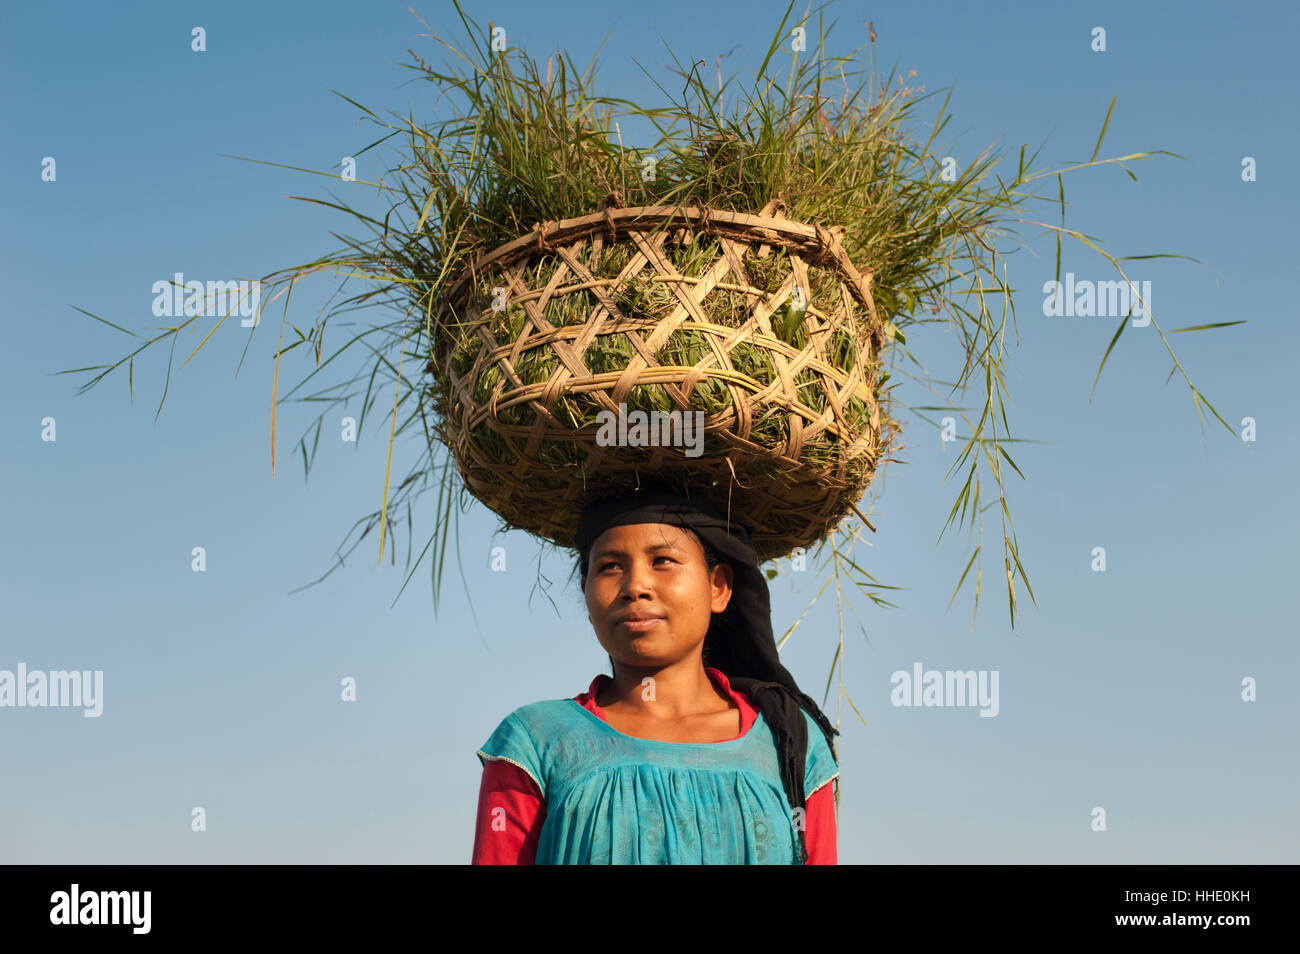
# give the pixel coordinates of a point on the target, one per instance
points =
(644, 649)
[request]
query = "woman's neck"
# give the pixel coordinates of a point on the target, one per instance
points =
(672, 692)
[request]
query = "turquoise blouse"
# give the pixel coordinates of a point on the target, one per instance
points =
(615, 799)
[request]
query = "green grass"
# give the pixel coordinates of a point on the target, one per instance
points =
(530, 142)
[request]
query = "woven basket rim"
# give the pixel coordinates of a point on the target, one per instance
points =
(769, 226)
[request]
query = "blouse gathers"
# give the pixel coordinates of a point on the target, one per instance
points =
(563, 786)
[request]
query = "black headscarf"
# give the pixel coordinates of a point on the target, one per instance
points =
(740, 641)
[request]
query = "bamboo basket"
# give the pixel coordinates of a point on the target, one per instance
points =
(792, 413)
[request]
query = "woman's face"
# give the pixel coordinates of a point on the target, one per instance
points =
(656, 571)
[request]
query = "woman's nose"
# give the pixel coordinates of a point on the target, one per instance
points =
(637, 580)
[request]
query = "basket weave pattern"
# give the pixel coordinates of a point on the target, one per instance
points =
(529, 450)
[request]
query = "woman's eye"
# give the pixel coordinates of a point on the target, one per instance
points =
(606, 566)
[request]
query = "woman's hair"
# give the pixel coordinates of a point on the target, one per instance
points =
(711, 560)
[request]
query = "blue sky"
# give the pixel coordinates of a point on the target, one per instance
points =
(1120, 690)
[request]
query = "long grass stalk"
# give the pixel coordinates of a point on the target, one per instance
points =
(834, 141)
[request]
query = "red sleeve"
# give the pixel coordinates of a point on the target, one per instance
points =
(510, 815)
(820, 832)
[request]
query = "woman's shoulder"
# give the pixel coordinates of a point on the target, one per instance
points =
(527, 736)
(536, 718)
(820, 765)
(540, 717)
(537, 724)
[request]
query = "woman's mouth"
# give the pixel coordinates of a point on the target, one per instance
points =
(639, 625)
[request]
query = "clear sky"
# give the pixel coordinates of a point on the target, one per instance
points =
(1121, 690)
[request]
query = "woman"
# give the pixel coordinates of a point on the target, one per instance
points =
(700, 749)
